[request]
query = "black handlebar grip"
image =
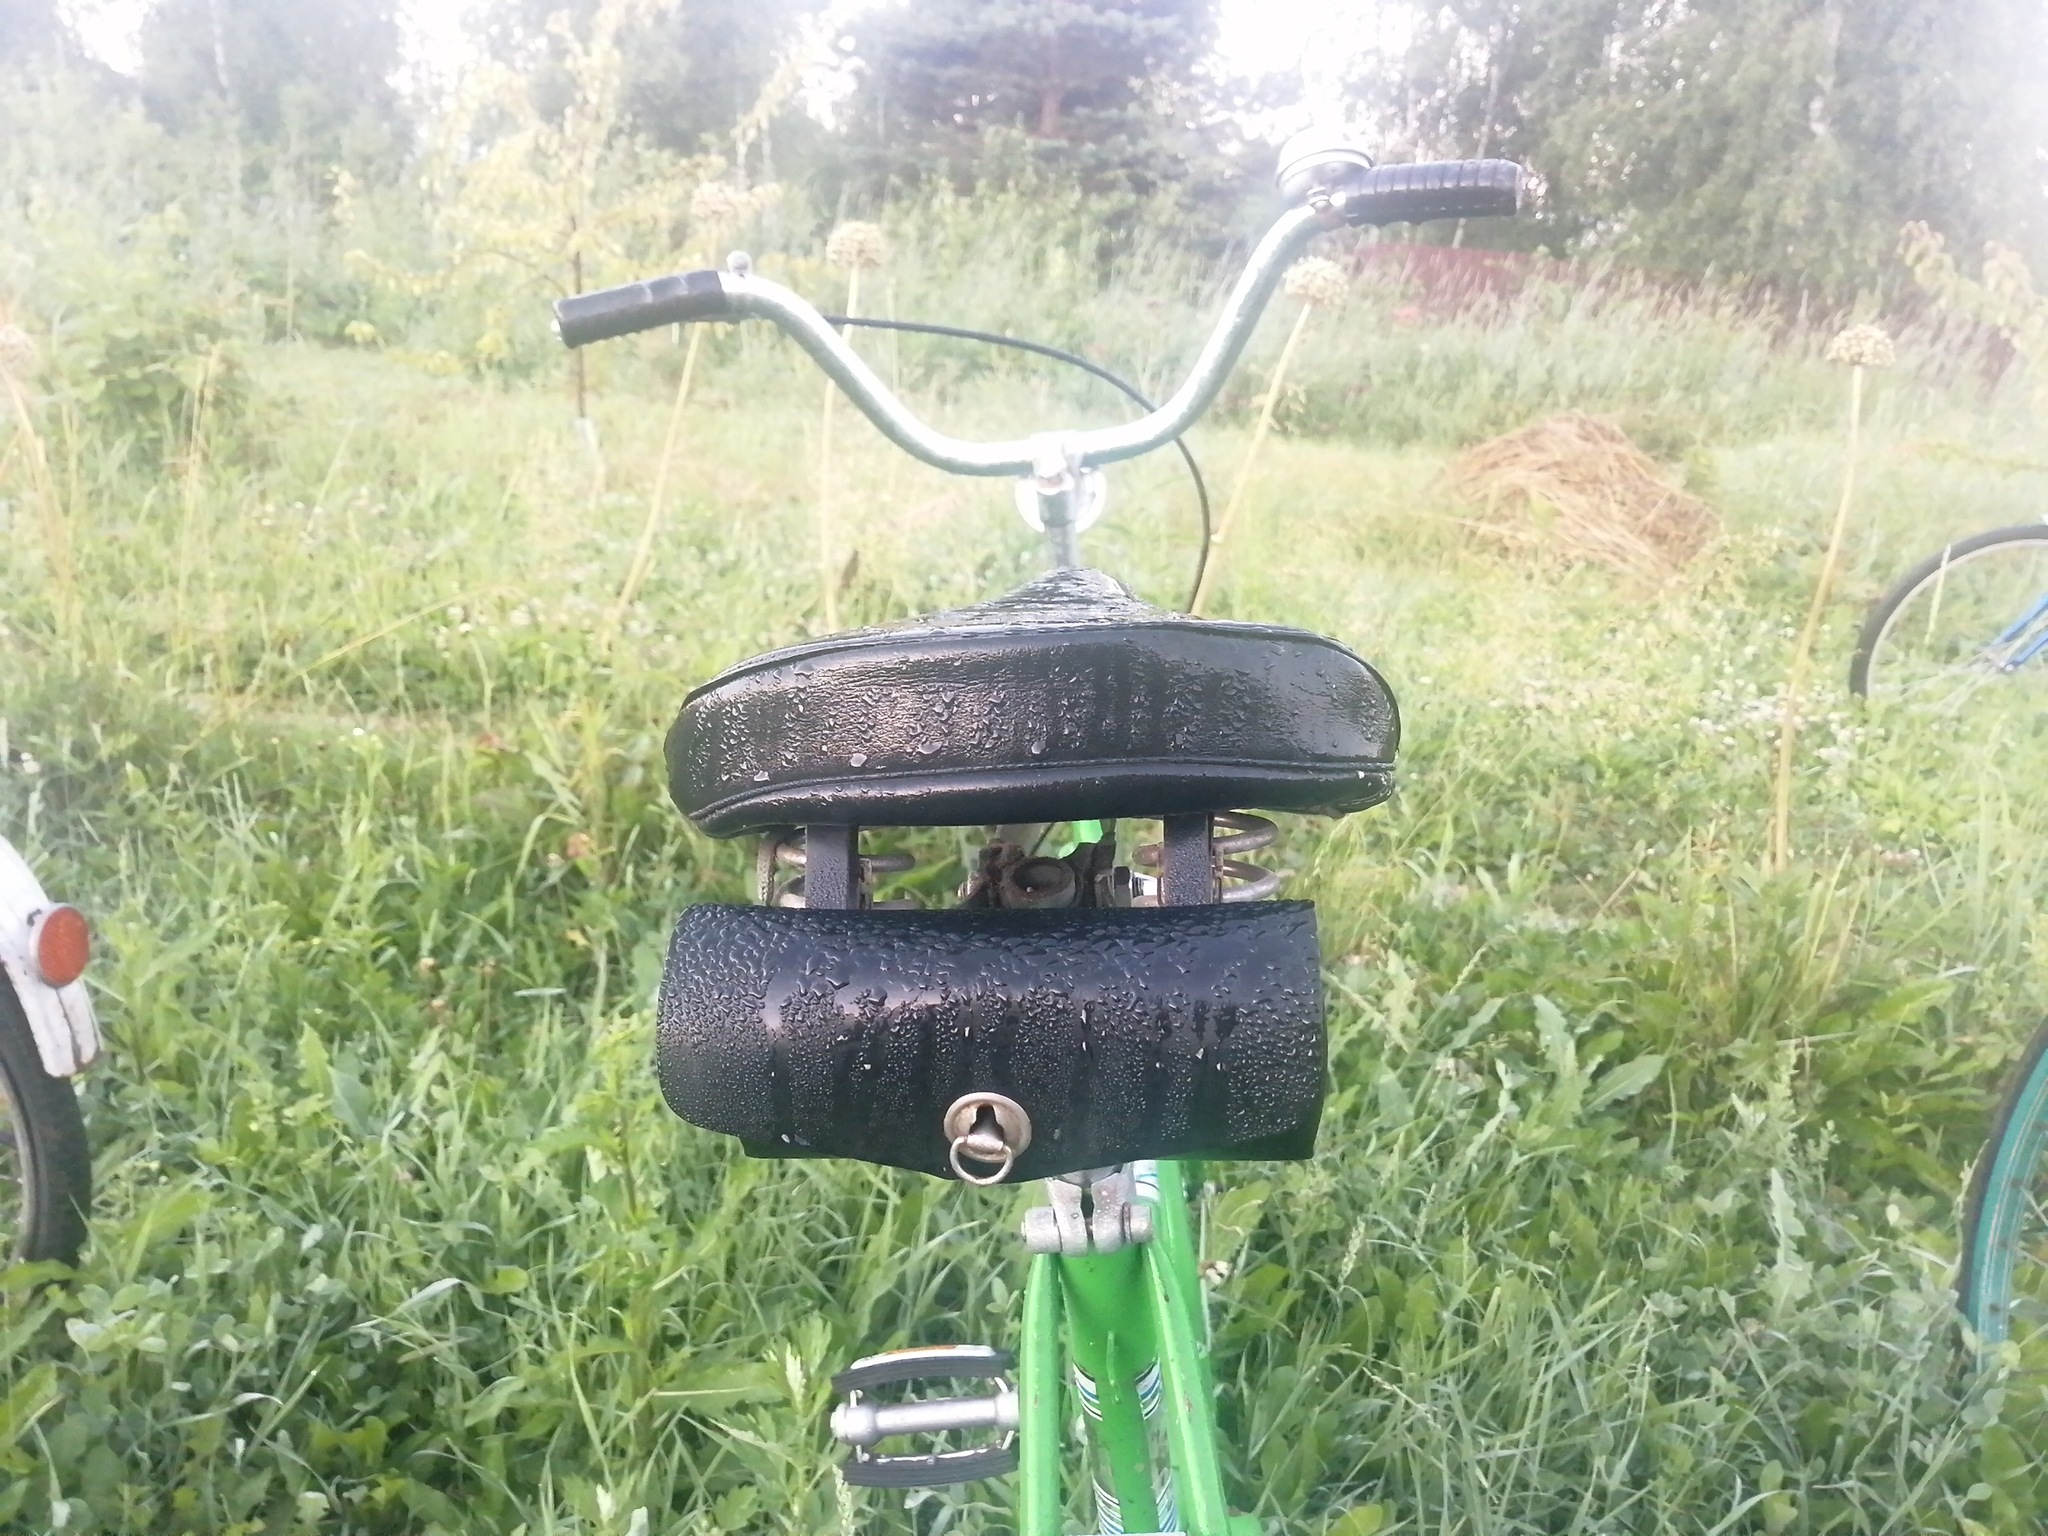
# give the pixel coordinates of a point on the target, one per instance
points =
(1443, 189)
(644, 306)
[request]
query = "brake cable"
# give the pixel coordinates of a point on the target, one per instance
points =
(963, 333)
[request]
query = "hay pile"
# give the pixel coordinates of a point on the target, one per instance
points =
(1576, 491)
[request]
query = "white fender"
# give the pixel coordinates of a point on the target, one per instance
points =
(61, 1018)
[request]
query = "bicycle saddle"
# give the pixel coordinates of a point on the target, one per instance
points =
(1065, 699)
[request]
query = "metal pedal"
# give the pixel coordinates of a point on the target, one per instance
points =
(861, 1424)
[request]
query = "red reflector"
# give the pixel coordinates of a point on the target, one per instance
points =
(62, 945)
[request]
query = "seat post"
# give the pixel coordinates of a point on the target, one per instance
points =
(832, 868)
(1059, 497)
(1187, 867)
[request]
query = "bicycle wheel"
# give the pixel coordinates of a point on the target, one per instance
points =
(1972, 615)
(2003, 1284)
(45, 1171)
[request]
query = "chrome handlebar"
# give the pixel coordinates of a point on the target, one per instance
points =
(755, 296)
(1337, 186)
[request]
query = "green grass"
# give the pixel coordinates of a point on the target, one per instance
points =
(1635, 1205)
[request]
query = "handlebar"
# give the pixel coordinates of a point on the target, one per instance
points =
(1353, 193)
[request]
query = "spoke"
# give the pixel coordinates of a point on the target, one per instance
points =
(2027, 1307)
(1971, 623)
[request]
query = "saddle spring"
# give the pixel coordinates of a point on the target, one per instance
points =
(778, 872)
(1231, 833)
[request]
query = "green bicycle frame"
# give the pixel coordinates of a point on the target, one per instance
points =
(1117, 1314)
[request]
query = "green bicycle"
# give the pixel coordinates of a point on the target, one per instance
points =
(1085, 1017)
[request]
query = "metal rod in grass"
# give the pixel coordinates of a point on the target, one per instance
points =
(1861, 348)
(1318, 284)
(855, 246)
(716, 208)
(18, 358)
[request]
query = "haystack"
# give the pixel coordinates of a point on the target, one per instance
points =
(1574, 490)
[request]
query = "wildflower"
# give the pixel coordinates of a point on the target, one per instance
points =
(1316, 281)
(855, 244)
(1862, 346)
(718, 203)
(18, 351)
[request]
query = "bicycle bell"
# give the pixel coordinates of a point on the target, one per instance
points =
(1318, 160)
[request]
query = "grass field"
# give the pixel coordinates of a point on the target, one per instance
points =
(1635, 1210)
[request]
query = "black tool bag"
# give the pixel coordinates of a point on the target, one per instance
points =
(1123, 1033)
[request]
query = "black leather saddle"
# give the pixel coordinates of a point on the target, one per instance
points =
(1066, 699)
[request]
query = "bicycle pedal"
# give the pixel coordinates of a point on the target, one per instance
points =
(861, 1425)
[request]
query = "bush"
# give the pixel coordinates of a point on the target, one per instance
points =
(145, 365)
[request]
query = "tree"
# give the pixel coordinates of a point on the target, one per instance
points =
(1098, 90)
(691, 72)
(309, 81)
(551, 201)
(1483, 77)
(1782, 140)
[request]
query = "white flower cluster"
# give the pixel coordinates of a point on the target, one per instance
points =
(1736, 715)
(717, 202)
(1315, 280)
(1862, 346)
(717, 206)
(18, 351)
(856, 244)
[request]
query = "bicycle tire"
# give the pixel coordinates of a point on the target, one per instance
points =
(45, 1166)
(1881, 624)
(2002, 1190)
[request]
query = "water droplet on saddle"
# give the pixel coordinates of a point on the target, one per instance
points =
(858, 760)
(761, 777)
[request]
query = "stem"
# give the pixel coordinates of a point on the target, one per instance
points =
(828, 576)
(1244, 470)
(195, 457)
(576, 356)
(50, 515)
(1802, 654)
(643, 552)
